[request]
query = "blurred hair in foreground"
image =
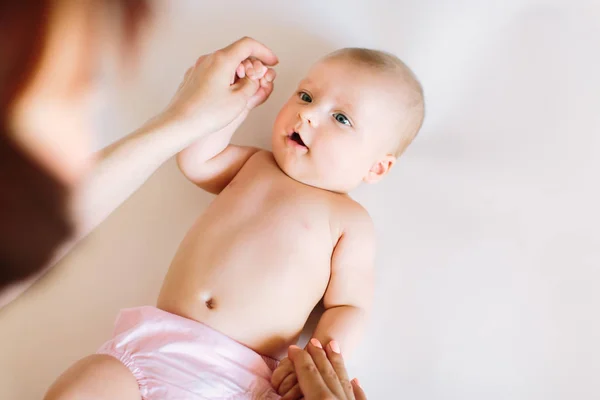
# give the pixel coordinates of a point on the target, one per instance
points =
(34, 219)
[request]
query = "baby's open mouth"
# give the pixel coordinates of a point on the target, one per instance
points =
(296, 138)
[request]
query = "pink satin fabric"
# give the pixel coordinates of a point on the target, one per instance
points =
(177, 358)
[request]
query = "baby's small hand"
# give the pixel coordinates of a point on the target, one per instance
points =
(255, 70)
(285, 382)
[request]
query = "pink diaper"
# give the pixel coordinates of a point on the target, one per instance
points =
(177, 358)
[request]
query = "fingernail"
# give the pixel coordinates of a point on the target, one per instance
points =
(315, 342)
(335, 347)
(356, 382)
(250, 72)
(294, 347)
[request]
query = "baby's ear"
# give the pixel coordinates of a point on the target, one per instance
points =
(380, 169)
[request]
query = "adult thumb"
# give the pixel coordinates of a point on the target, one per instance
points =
(247, 87)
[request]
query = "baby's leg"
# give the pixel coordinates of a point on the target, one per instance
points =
(95, 377)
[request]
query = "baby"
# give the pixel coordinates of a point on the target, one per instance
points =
(281, 235)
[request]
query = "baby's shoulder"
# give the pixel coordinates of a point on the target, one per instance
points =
(257, 161)
(261, 156)
(353, 215)
(349, 207)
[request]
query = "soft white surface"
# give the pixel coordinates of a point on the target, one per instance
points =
(489, 247)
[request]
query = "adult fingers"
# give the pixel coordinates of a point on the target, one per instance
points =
(309, 377)
(359, 394)
(315, 349)
(294, 394)
(188, 73)
(200, 59)
(261, 95)
(337, 361)
(186, 77)
(268, 88)
(247, 47)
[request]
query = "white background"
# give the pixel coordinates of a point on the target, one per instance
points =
(489, 256)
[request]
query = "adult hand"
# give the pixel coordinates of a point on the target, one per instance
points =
(212, 95)
(321, 373)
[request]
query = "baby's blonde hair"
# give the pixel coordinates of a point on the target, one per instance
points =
(414, 103)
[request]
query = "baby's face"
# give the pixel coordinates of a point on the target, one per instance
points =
(336, 127)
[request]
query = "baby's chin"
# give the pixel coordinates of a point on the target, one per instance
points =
(301, 170)
(290, 170)
(299, 177)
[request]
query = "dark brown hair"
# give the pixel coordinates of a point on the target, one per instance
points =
(33, 206)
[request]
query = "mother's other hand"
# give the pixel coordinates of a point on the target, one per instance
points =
(322, 373)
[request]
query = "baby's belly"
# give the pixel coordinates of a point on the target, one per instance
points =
(261, 299)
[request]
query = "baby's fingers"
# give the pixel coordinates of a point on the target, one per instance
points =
(294, 394)
(281, 372)
(270, 75)
(241, 71)
(249, 68)
(261, 95)
(266, 82)
(254, 69)
(288, 384)
(259, 69)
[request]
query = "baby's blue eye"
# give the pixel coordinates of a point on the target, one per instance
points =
(342, 119)
(305, 97)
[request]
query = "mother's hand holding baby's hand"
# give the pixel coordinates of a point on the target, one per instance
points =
(213, 94)
(320, 373)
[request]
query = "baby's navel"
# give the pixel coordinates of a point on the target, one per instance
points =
(210, 303)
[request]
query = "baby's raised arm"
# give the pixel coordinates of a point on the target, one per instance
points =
(211, 166)
(211, 162)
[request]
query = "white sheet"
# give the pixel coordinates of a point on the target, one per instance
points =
(489, 247)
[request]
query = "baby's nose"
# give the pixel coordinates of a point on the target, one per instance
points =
(308, 117)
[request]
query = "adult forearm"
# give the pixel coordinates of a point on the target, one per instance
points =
(344, 324)
(122, 168)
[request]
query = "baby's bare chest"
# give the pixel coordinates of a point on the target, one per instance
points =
(277, 213)
(265, 211)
